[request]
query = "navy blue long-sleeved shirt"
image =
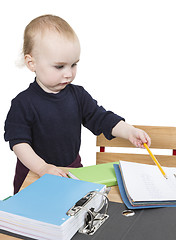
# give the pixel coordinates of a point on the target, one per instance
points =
(51, 123)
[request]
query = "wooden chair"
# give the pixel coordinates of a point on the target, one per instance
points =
(161, 138)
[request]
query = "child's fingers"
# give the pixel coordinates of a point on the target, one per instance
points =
(62, 173)
(148, 140)
(51, 169)
(139, 137)
(145, 139)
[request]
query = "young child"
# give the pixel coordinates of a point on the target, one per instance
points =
(43, 125)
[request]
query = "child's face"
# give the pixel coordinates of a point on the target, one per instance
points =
(54, 61)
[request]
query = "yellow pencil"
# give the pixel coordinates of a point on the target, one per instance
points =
(155, 160)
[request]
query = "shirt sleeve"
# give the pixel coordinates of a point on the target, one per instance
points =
(18, 124)
(96, 118)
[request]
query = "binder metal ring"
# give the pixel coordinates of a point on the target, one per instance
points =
(94, 219)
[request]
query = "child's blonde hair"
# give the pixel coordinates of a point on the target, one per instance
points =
(42, 23)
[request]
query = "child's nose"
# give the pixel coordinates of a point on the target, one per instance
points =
(68, 73)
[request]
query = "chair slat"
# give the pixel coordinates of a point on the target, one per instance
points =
(164, 160)
(162, 138)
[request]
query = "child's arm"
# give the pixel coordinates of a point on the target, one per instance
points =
(32, 161)
(135, 135)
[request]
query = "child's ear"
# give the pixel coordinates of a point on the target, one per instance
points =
(30, 62)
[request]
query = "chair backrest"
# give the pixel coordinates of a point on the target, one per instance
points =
(161, 137)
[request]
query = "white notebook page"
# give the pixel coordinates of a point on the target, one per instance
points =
(146, 183)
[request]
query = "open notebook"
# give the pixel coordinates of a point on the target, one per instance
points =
(144, 185)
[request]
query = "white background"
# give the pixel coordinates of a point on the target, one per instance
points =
(128, 61)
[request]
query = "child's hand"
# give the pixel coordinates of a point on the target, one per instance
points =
(135, 135)
(51, 169)
(138, 137)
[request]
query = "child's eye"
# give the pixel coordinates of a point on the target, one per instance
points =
(75, 64)
(59, 66)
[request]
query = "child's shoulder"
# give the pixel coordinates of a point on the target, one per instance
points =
(23, 96)
(78, 89)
